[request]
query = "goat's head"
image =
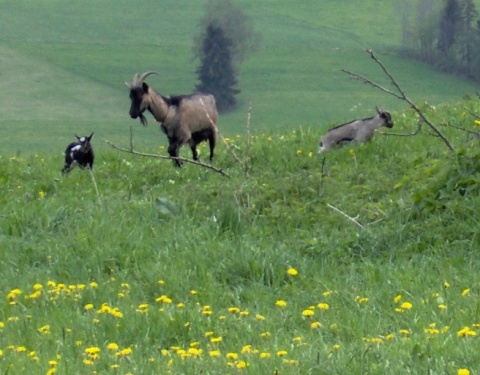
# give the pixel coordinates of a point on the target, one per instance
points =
(84, 143)
(138, 96)
(386, 117)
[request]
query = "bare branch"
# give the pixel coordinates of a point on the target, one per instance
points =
(247, 141)
(353, 220)
(223, 139)
(401, 95)
(169, 157)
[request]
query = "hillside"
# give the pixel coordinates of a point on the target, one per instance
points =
(63, 66)
(362, 260)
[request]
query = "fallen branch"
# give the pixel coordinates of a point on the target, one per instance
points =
(169, 157)
(223, 139)
(353, 220)
(401, 95)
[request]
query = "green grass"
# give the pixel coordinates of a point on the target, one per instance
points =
(189, 266)
(178, 271)
(66, 75)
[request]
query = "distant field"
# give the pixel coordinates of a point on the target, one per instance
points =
(63, 66)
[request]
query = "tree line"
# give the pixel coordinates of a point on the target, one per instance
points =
(444, 34)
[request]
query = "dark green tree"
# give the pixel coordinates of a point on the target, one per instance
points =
(468, 38)
(449, 30)
(216, 73)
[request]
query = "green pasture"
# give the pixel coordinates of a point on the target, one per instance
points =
(63, 66)
(359, 261)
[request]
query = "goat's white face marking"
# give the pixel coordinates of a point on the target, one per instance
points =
(74, 149)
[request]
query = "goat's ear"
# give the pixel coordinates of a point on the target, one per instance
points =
(91, 136)
(145, 87)
(128, 85)
(378, 111)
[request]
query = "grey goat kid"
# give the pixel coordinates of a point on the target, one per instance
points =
(79, 153)
(184, 119)
(355, 131)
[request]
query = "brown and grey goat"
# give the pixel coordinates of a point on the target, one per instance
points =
(79, 153)
(355, 131)
(184, 119)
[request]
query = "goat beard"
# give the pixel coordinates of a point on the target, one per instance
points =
(143, 119)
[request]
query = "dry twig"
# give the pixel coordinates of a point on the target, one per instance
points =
(400, 95)
(169, 157)
(353, 220)
(223, 139)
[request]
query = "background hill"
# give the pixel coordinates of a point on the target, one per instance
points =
(63, 65)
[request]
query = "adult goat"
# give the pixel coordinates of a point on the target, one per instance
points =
(184, 119)
(79, 153)
(355, 131)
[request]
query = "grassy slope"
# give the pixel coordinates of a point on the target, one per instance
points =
(66, 75)
(231, 240)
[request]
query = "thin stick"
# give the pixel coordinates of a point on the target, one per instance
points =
(95, 185)
(247, 142)
(131, 138)
(169, 157)
(344, 214)
(401, 96)
(223, 139)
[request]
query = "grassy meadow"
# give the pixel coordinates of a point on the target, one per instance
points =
(359, 261)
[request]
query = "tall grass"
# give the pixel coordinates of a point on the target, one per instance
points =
(186, 271)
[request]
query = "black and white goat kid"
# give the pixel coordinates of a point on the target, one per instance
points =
(79, 153)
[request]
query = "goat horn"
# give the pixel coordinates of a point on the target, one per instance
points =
(138, 79)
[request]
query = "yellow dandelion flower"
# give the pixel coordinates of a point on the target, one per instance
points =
(405, 332)
(112, 346)
(216, 340)
(446, 285)
(92, 350)
(477, 122)
(259, 317)
(406, 305)
(93, 285)
(292, 272)
(264, 355)
(282, 353)
(466, 331)
(247, 349)
(464, 371)
(232, 356)
(281, 303)
(336, 347)
(397, 298)
(390, 336)
(234, 310)
(308, 313)
(265, 335)
(323, 306)
(465, 292)
(327, 293)
(315, 325)
(242, 364)
(214, 353)
(442, 306)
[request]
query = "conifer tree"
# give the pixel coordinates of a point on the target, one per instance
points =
(216, 73)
